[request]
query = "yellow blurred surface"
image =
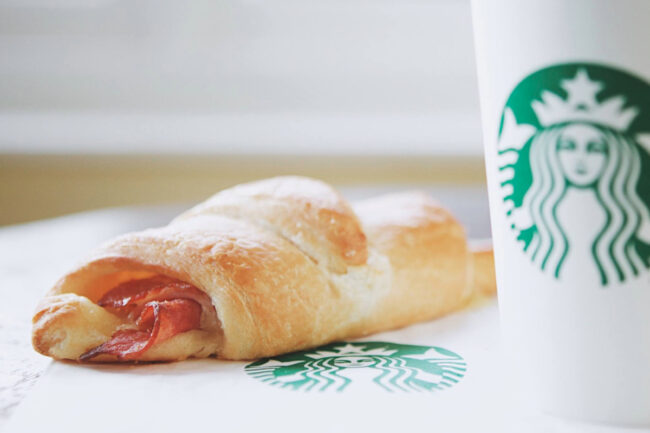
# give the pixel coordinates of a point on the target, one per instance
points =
(40, 186)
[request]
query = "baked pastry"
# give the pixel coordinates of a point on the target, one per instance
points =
(262, 269)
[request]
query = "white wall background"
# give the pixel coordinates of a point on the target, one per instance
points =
(237, 76)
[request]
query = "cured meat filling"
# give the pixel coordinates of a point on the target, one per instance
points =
(160, 307)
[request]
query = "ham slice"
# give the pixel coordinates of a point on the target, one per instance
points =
(130, 297)
(160, 307)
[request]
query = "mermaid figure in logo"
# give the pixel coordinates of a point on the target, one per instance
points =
(582, 159)
(336, 366)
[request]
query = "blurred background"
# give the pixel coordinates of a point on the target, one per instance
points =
(120, 102)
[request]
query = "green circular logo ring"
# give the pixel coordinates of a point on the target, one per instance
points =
(334, 367)
(574, 171)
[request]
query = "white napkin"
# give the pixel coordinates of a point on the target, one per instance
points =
(212, 395)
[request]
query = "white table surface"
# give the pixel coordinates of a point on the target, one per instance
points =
(34, 255)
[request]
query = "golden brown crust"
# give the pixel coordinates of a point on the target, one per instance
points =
(70, 323)
(306, 212)
(427, 250)
(484, 277)
(251, 275)
(278, 282)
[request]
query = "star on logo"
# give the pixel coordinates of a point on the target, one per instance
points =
(582, 91)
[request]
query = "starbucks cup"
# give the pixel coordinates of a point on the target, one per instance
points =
(565, 100)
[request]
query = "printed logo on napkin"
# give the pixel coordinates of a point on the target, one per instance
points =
(574, 170)
(338, 366)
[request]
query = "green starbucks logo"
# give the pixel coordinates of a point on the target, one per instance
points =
(574, 167)
(334, 367)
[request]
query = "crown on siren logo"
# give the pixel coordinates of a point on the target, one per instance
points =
(350, 350)
(581, 105)
(575, 171)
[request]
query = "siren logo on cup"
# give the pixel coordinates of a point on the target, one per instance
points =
(574, 139)
(334, 367)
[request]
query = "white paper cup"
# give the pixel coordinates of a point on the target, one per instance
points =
(565, 99)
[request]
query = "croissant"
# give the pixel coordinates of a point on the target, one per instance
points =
(261, 269)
